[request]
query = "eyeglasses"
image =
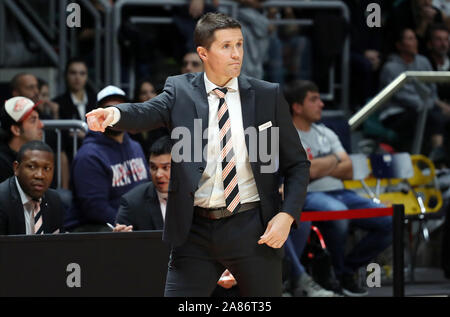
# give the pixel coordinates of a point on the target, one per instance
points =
(194, 63)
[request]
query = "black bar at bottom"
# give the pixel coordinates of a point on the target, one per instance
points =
(398, 225)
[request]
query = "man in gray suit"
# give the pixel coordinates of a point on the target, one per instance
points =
(223, 210)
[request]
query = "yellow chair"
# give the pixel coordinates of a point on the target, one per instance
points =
(403, 179)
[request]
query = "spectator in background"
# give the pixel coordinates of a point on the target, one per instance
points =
(75, 102)
(20, 124)
(27, 205)
(407, 103)
(78, 99)
(144, 91)
(416, 15)
(27, 85)
(46, 106)
(107, 166)
(191, 63)
(438, 54)
(330, 164)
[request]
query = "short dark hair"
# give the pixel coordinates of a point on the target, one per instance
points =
(31, 146)
(14, 83)
(208, 24)
(433, 28)
(161, 146)
(74, 60)
(297, 90)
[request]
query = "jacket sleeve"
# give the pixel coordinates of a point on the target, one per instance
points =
(294, 165)
(124, 215)
(149, 115)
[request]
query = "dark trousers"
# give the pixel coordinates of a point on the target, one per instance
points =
(228, 243)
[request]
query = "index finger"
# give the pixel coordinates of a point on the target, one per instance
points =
(93, 112)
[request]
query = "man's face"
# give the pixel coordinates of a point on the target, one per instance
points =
(146, 92)
(31, 129)
(77, 76)
(35, 172)
(160, 171)
(191, 63)
(223, 60)
(408, 44)
(311, 109)
(27, 87)
(439, 43)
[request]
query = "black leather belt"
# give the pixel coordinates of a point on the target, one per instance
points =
(219, 213)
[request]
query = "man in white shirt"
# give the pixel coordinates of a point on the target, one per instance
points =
(224, 210)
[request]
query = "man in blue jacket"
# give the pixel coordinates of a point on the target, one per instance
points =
(107, 166)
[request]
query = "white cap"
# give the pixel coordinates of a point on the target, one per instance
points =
(19, 108)
(110, 91)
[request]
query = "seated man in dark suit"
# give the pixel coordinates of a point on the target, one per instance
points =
(27, 205)
(144, 207)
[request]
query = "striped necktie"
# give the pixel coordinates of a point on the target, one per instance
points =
(229, 177)
(37, 215)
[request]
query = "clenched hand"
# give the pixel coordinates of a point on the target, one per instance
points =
(99, 119)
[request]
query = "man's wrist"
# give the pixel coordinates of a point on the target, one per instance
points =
(116, 113)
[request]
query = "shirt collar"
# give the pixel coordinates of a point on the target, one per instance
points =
(23, 197)
(161, 196)
(77, 102)
(232, 85)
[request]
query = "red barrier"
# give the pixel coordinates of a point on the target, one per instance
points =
(346, 214)
(398, 213)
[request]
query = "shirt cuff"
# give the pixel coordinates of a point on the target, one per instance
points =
(116, 116)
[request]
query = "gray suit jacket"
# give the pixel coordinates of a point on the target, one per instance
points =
(183, 101)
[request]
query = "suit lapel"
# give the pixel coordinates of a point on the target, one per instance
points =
(247, 105)
(17, 207)
(201, 103)
(155, 208)
(201, 99)
(45, 215)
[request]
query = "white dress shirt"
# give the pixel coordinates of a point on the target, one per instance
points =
(210, 193)
(80, 104)
(27, 209)
(162, 203)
